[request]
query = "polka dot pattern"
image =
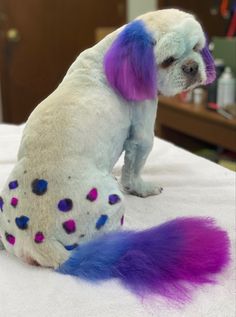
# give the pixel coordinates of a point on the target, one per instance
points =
(39, 237)
(65, 205)
(92, 195)
(22, 222)
(10, 238)
(71, 247)
(113, 199)
(14, 201)
(39, 186)
(69, 226)
(13, 184)
(101, 221)
(1, 204)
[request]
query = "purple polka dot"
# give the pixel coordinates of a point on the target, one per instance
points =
(13, 185)
(14, 201)
(39, 186)
(93, 194)
(39, 237)
(122, 220)
(10, 238)
(65, 205)
(1, 203)
(113, 199)
(69, 226)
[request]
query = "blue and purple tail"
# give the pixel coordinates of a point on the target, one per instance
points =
(166, 260)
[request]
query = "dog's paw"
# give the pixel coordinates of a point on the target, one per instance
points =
(142, 189)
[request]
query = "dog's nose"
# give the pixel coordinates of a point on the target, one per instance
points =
(191, 68)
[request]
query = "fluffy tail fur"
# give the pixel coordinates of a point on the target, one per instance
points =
(165, 260)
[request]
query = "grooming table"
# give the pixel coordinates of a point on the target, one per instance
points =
(192, 186)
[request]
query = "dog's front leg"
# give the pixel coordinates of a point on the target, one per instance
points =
(137, 148)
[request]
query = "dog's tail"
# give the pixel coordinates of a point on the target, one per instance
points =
(166, 260)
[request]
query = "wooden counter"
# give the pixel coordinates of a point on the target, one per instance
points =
(195, 121)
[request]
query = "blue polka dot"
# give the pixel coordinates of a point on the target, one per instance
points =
(13, 185)
(39, 186)
(113, 199)
(71, 247)
(101, 221)
(65, 205)
(22, 222)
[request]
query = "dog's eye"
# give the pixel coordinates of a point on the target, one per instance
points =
(167, 62)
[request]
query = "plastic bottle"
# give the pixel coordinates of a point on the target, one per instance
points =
(226, 88)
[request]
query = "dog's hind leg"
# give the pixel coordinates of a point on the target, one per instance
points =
(137, 148)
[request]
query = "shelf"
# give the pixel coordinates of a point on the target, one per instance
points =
(194, 121)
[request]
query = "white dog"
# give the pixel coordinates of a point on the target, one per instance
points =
(61, 192)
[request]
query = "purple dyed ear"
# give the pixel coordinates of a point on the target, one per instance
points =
(130, 65)
(209, 64)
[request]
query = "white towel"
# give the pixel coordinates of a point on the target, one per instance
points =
(192, 187)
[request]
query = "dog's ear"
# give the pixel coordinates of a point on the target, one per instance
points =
(209, 64)
(130, 65)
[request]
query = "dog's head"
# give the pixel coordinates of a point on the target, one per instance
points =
(164, 51)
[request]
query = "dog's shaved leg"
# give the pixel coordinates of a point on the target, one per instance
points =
(137, 149)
